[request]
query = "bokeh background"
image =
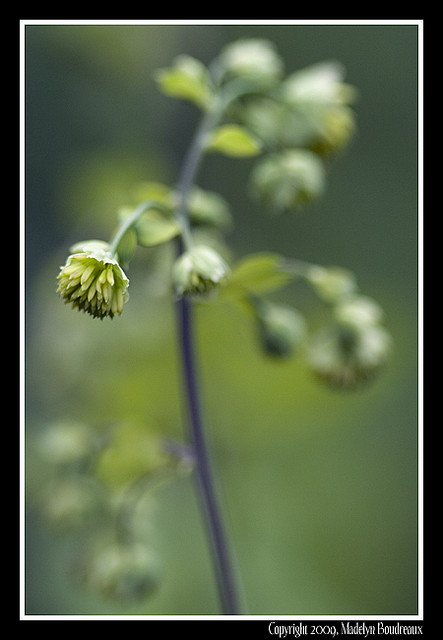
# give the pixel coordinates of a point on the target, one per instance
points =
(320, 487)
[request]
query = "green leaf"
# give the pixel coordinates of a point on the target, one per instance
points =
(188, 79)
(208, 208)
(154, 227)
(256, 274)
(155, 191)
(233, 140)
(127, 246)
(133, 451)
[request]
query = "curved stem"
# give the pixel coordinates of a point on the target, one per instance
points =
(221, 554)
(189, 171)
(131, 220)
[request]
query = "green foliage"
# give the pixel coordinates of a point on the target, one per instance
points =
(188, 79)
(132, 452)
(207, 208)
(257, 274)
(233, 140)
(154, 227)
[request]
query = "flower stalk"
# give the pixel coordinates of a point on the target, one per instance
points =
(220, 547)
(130, 221)
(221, 553)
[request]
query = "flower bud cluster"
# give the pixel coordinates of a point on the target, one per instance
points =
(300, 119)
(90, 476)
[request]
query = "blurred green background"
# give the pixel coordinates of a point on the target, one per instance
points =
(320, 487)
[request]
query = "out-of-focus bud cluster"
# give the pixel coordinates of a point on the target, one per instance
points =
(300, 119)
(347, 352)
(93, 481)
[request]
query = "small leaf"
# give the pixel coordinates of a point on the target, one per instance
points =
(156, 191)
(233, 140)
(154, 227)
(133, 451)
(256, 274)
(127, 246)
(208, 208)
(188, 79)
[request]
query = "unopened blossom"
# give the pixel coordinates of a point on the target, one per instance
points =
(281, 329)
(345, 356)
(93, 281)
(198, 271)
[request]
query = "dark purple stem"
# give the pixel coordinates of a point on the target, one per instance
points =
(221, 556)
(222, 560)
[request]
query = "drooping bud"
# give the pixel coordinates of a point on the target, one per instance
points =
(71, 502)
(125, 572)
(331, 283)
(355, 348)
(198, 271)
(288, 180)
(281, 329)
(93, 281)
(66, 442)
(253, 58)
(321, 99)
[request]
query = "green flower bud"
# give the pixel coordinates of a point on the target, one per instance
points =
(93, 281)
(288, 180)
(320, 99)
(66, 442)
(320, 83)
(281, 329)
(358, 311)
(253, 58)
(331, 283)
(123, 572)
(347, 355)
(335, 130)
(198, 271)
(71, 503)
